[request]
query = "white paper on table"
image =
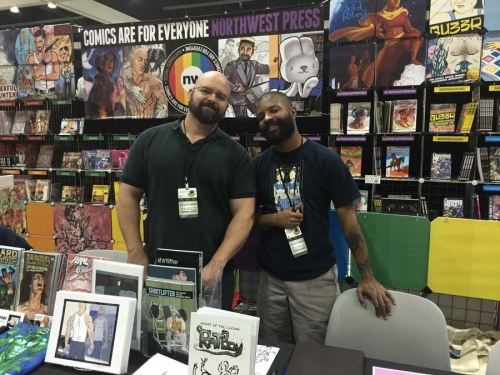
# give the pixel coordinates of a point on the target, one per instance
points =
(161, 365)
(264, 359)
(387, 371)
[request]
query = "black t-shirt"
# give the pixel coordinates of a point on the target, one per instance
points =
(321, 177)
(9, 238)
(220, 170)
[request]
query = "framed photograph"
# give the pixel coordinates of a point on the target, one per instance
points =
(121, 279)
(85, 332)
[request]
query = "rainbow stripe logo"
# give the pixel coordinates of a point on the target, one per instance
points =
(182, 69)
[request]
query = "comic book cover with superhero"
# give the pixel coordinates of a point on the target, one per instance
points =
(10, 260)
(148, 70)
(23, 348)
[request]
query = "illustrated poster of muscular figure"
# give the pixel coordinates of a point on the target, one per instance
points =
(144, 93)
(44, 56)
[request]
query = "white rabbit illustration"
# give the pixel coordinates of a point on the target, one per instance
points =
(299, 66)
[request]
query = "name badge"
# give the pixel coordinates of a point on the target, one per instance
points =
(296, 242)
(188, 203)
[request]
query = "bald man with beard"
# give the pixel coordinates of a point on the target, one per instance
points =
(143, 91)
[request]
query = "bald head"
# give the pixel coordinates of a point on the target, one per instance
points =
(138, 61)
(216, 80)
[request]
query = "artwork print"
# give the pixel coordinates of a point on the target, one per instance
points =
(454, 59)
(399, 24)
(77, 229)
(490, 62)
(87, 332)
(13, 210)
(452, 17)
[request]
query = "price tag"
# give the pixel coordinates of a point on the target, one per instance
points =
(372, 179)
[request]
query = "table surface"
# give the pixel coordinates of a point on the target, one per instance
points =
(136, 360)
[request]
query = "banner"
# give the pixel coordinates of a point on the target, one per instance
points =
(36, 63)
(146, 70)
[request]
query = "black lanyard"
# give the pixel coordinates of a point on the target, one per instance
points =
(188, 164)
(297, 168)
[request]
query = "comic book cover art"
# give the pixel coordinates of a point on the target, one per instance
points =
(36, 283)
(490, 62)
(100, 194)
(45, 156)
(42, 192)
(8, 87)
(494, 207)
(30, 122)
(78, 277)
(453, 207)
(404, 116)
(72, 194)
(13, 209)
(454, 59)
(451, 17)
(104, 87)
(23, 348)
(494, 153)
(350, 15)
(352, 157)
(19, 123)
(72, 160)
(441, 166)
(348, 64)
(397, 161)
(167, 305)
(6, 122)
(69, 126)
(442, 118)
(143, 88)
(43, 56)
(10, 260)
(42, 122)
(358, 118)
(81, 228)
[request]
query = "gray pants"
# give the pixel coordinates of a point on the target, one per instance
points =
(296, 311)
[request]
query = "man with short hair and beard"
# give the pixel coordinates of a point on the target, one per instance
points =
(298, 281)
(191, 160)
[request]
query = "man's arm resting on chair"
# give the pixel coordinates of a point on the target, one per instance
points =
(368, 285)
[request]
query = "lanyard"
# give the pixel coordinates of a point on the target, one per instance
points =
(297, 168)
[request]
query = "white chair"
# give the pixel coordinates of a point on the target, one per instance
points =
(493, 367)
(116, 255)
(415, 334)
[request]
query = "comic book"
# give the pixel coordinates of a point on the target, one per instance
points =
(490, 62)
(26, 155)
(10, 261)
(441, 166)
(20, 183)
(362, 204)
(358, 118)
(39, 271)
(19, 123)
(397, 161)
(69, 126)
(494, 153)
(30, 122)
(79, 273)
(72, 194)
(442, 118)
(89, 159)
(72, 160)
(7, 122)
(23, 356)
(352, 156)
(209, 329)
(494, 207)
(453, 207)
(45, 156)
(30, 189)
(404, 116)
(168, 303)
(466, 120)
(103, 159)
(42, 122)
(100, 194)
(42, 191)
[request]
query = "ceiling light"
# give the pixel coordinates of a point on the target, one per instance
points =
(14, 9)
(51, 5)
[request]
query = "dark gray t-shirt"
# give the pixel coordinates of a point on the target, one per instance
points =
(220, 169)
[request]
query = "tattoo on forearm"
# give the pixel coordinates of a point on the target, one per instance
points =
(365, 267)
(355, 240)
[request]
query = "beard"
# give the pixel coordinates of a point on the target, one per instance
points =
(286, 127)
(203, 114)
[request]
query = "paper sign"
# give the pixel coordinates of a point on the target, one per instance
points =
(452, 89)
(388, 371)
(372, 179)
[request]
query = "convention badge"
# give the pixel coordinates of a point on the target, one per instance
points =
(188, 203)
(296, 242)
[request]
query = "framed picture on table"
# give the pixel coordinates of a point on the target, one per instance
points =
(121, 279)
(91, 332)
